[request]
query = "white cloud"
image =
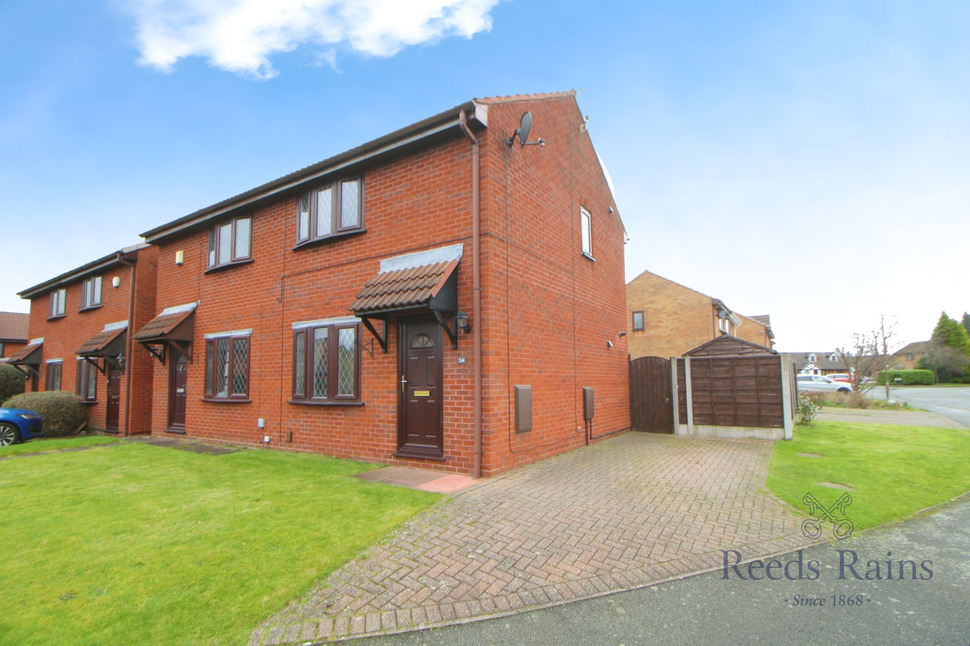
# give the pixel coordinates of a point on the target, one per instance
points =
(241, 35)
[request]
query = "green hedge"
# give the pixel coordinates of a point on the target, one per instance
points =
(908, 377)
(62, 410)
(11, 381)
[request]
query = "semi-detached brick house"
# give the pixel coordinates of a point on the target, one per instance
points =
(14, 333)
(80, 325)
(438, 297)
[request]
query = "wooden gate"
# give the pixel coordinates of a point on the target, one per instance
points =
(650, 406)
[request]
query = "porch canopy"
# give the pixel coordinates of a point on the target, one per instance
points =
(173, 327)
(107, 345)
(28, 358)
(415, 282)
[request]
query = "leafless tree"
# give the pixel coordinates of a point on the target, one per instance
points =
(868, 354)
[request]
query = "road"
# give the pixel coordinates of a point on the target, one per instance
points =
(952, 402)
(932, 608)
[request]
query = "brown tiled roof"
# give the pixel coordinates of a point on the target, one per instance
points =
(13, 326)
(403, 288)
(24, 355)
(162, 325)
(525, 97)
(100, 341)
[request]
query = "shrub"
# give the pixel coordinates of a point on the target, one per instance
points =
(63, 411)
(806, 410)
(11, 381)
(907, 377)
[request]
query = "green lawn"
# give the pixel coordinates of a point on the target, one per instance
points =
(895, 471)
(136, 544)
(43, 445)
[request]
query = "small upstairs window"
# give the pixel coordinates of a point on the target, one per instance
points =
(586, 232)
(230, 242)
(91, 293)
(330, 210)
(57, 298)
(638, 321)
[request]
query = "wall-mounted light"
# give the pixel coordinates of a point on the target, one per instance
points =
(461, 320)
(116, 282)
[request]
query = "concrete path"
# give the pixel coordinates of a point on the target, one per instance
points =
(625, 513)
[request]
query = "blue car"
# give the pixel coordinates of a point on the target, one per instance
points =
(17, 424)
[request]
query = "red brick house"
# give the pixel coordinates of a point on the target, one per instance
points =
(80, 323)
(13, 333)
(667, 319)
(443, 297)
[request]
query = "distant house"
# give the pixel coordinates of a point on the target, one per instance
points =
(81, 324)
(819, 363)
(13, 333)
(666, 319)
(909, 356)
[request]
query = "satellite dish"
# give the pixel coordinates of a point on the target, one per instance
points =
(525, 125)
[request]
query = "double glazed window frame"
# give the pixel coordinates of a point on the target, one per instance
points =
(227, 359)
(87, 381)
(58, 299)
(586, 232)
(230, 243)
(324, 354)
(53, 370)
(330, 210)
(639, 320)
(91, 293)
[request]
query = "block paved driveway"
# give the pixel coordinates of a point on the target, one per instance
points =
(627, 512)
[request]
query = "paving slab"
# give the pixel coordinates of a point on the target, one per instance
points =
(625, 513)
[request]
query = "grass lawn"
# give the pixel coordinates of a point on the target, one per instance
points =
(895, 470)
(43, 445)
(137, 544)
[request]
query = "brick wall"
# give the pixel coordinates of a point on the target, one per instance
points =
(548, 311)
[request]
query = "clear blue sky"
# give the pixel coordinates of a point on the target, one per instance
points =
(807, 160)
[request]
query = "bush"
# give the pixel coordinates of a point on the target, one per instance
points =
(11, 381)
(63, 412)
(806, 410)
(907, 377)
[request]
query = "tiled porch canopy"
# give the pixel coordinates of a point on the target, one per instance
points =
(108, 344)
(422, 281)
(174, 326)
(28, 358)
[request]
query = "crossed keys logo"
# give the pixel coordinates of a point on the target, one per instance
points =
(841, 526)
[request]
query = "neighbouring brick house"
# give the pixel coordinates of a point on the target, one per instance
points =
(80, 324)
(440, 297)
(908, 357)
(666, 319)
(13, 333)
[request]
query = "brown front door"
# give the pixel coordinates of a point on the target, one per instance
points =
(420, 432)
(114, 400)
(176, 393)
(651, 408)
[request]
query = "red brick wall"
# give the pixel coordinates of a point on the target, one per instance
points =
(63, 336)
(548, 311)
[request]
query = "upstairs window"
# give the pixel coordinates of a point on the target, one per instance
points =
(326, 362)
(638, 321)
(91, 293)
(87, 375)
(58, 298)
(230, 242)
(330, 210)
(227, 366)
(586, 232)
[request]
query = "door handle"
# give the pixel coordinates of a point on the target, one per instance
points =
(404, 382)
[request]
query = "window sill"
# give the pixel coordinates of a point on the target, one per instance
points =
(55, 317)
(587, 256)
(300, 402)
(234, 263)
(89, 402)
(227, 400)
(90, 309)
(312, 242)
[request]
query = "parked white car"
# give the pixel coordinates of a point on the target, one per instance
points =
(818, 383)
